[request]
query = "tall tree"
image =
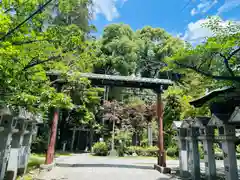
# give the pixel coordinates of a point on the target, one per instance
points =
(40, 44)
(217, 58)
(117, 50)
(154, 44)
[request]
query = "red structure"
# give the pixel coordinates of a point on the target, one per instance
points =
(58, 83)
(162, 155)
(52, 142)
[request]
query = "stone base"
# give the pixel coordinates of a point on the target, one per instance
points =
(164, 170)
(43, 169)
(113, 153)
(183, 174)
(47, 167)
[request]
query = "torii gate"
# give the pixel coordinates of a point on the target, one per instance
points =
(157, 85)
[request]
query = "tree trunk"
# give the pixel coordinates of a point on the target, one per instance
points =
(150, 140)
(73, 138)
(113, 134)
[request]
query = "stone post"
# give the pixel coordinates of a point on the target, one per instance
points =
(7, 124)
(194, 160)
(180, 127)
(17, 138)
(207, 134)
(15, 153)
(183, 155)
(229, 152)
(30, 130)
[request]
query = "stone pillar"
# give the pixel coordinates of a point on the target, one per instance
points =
(17, 138)
(183, 154)
(194, 160)
(207, 134)
(15, 153)
(31, 128)
(229, 152)
(7, 123)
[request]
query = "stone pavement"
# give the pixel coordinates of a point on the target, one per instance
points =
(86, 167)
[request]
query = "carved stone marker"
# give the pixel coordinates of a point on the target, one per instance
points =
(194, 161)
(8, 124)
(207, 137)
(183, 155)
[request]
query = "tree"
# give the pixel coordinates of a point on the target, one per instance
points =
(117, 49)
(41, 44)
(154, 44)
(217, 58)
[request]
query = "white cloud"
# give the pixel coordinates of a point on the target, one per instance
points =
(228, 5)
(195, 33)
(203, 7)
(107, 8)
(194, 12)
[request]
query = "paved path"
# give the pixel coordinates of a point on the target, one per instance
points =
(85, 167)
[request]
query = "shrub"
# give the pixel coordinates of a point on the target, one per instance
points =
(172, 151)
(39, 145)
(121, 150)
(100, 149)
(141, 151)
(152, 151)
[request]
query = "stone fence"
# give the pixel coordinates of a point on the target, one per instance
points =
(16, 132)
(201, 129)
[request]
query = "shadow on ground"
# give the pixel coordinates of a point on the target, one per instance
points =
(105, 165)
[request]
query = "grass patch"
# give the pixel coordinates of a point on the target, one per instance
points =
(36, 160)
(58, 154)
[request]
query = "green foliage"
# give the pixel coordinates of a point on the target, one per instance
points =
(100, 149)
(172, 151)
(143, 151)
(215, 59)
(39, 145)
(182, 107)
(33, 49)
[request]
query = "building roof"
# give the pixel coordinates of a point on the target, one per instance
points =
(209, 96)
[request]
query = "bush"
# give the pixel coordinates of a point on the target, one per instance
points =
(152, 151)
(121, 149)
(172, 151)
(39, 145)
(141, 151)
(100, 149)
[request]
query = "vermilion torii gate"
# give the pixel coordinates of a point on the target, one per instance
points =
(157, 85)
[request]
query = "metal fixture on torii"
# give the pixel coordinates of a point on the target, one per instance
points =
(157, 85)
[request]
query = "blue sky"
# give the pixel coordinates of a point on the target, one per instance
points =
(179, 17)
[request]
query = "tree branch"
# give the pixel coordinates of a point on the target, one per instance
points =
(36, 62)
(52, 58)
(39, 10)
(208, 74)
(30, 41)
(233, 53)
(226, 63)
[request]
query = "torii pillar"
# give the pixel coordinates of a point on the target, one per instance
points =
(51, 146)
(161, 155)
